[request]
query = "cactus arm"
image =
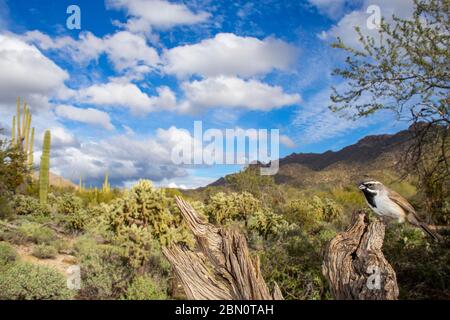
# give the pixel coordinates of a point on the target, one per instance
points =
(13, 131)
(30, 154)
(44, 169)
(18, 120)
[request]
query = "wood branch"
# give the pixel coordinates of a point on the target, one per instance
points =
(355, 266)
(221, 268)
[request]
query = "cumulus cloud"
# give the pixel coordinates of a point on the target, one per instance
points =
(25, 71)
(333, 8)
(345, 27)
(126, 51)
(232, 92)
(125, 157)
(231, 55)
(143, 15)
(127, 95)
(90, 116)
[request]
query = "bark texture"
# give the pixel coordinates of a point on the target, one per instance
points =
(355, 266)
(221, 267)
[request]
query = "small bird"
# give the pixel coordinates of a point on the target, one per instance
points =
(388, 203)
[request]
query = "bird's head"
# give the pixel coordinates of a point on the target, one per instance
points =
(371, 186)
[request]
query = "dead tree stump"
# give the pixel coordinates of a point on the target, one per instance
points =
(221, 268)
(355, 266)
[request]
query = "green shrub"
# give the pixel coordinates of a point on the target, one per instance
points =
(24, 205)
(62, 246)
(294, 262)
(44, 251)
(421, 265)
(6, 212)
(30, 231)
(104, 272)
(309, 214)
(25, 281)
(144, 288)
(73, 216)
(7, 254)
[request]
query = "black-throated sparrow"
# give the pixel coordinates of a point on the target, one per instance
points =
(388, 203)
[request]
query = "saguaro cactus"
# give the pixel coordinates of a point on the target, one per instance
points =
(20, 135)
(44, 169)
(106, 188)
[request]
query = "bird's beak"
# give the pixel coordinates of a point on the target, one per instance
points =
(361, 187)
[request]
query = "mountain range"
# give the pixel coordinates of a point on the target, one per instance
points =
(376, 156)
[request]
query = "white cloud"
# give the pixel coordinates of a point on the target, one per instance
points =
(127, 95)
(345, 28)
(286, 141)
(126, 51)
(147, 14)
(125, 157)
(25, 71)
(231, 55)
(316, 122)
(333, 8)
(90, 116)
(230, 92)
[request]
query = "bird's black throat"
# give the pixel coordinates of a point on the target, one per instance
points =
(370, 197)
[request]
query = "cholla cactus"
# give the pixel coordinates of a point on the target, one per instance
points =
(148, 208)
(25, 205)
(223, 208)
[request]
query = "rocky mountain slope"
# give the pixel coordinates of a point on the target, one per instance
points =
(375, 156)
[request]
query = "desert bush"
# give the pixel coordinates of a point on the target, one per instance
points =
(309, 214)
(61, 246)
(30, 231)
(295, 263)
(144, 288)
(25, 281)
(44, 251)
(6, 211)
(104, 271)
(421, 265)
(25, 205)
(8, 254)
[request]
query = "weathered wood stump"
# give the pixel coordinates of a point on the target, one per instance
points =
(221, 267)
(355, 266)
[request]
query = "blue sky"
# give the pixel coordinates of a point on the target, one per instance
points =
(119, 93)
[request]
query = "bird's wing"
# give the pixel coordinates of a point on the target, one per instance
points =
(402, 202)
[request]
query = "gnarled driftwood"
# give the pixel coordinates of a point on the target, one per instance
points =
(221, 268)
(355, 266)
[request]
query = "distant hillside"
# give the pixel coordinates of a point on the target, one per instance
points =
(375, 155)
(56, 180)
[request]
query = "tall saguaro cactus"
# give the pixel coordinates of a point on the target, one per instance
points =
(20, 135)
(44, 169)
(106, 187)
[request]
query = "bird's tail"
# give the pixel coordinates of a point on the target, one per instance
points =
(430, 232)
